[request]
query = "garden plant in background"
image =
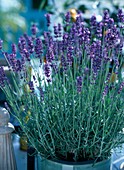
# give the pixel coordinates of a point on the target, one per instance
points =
(64, 94)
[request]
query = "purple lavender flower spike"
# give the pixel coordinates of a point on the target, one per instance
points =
(111, 37)
(47, 71)
(59, 29)
(121, 87)
(106, 18)
(50, 55)
(79, 21)
(106, 89)
(73, 29)
(30, 45)
(13, 48)
(69, 55)
(12, 61)
(65, 41)
(56, 32)
(19, 66)
(38, 47)
(26, 54)
(31, 85)
(99, 29)
(48, 19)
(111, 22)
(67, 18)
(46, 38)
(21, 44)
(93, 22)
(69, 59)
(34, 29)
(119, 46)
(79, 84)
(120, 15)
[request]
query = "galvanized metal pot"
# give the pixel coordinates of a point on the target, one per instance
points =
(44, 164)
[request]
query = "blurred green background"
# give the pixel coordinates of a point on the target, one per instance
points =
(16, 16)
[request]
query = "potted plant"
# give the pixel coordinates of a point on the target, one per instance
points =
(67, 91)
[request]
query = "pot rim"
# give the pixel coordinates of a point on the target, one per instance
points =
(77, 163)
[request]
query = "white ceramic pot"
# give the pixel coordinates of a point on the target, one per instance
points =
(45, 164)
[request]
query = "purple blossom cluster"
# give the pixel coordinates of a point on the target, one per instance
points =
(120, 16)
(121, 87)
(68, 84)
(34, 29)
(48, 19)
(75, 48)
(67, 18)
(47, 71)
(38, 48)
(111, 37)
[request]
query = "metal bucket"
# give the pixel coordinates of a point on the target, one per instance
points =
(44, 164)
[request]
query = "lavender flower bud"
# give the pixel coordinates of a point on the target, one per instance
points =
(106, 18)
(67, 18)
(73, 29)
(106, 89)
(26, 54)
(13, 48)
(48, 19)
(50, 55)
(79, 21)
(47, 71)
(120, 15)
(121, 87)
(34, 29)
(56, 32)
(59, 29)
(79, 84)
(38, 47)
(46, 38)
(21, 44)
(19, 66)
(69, 59)
(30, 45)
(99, 29)
(111, 22)
(12, 61)
(93, 22)
(31, 86)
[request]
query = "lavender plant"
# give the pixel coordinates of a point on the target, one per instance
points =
(67, 90)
